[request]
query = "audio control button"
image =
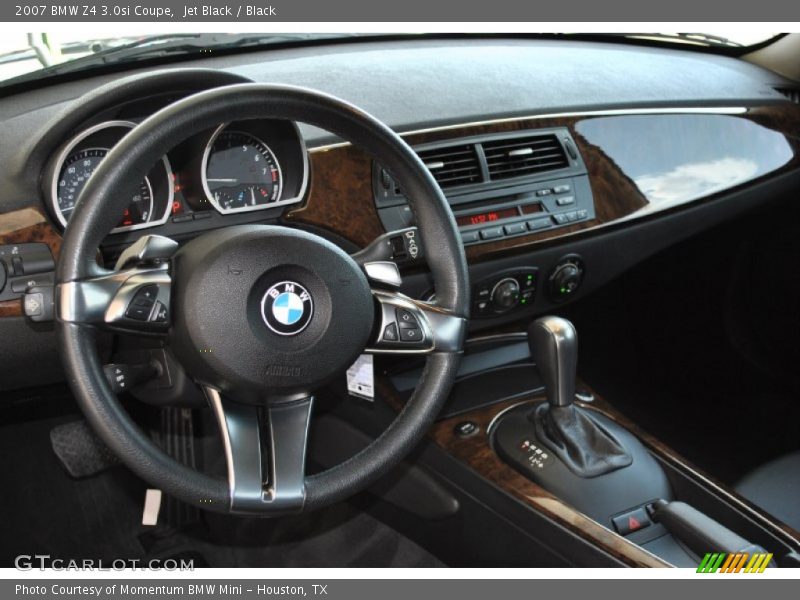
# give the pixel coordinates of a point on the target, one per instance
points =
(515, 228)
(491, 233)
(411, 335)
(540, 223)
(390, 333)
(406, 319)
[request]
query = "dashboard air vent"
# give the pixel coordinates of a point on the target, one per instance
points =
(792, 94)
(452, 165)
(517, 157)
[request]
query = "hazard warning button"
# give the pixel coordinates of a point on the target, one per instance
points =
(629, 522)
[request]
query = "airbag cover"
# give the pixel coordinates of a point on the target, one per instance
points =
(267, 310)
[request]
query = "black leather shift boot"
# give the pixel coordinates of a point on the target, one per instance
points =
(516, 439)
(585, 447)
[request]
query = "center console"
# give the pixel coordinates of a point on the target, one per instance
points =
(522, 421)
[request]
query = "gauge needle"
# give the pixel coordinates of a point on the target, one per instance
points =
(253, 196)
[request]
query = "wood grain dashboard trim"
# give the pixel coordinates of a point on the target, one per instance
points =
(617, 197)
(476, 452)
(22, 226)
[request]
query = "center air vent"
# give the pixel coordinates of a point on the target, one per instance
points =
(520, 156)
(485, 167)
(452, 165)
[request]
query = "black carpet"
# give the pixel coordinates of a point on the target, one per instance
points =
(45, 511)
(339, 536)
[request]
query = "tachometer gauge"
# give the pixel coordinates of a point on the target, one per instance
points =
(77, 169)
(240, 173)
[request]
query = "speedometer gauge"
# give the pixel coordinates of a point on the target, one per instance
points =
(148, 204)
(240, 173)
(77, 169)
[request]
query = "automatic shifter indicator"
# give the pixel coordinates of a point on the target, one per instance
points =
(536, 456)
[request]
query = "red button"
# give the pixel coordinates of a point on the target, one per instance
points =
(629, 522)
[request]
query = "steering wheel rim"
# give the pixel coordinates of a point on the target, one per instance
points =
(95, 215)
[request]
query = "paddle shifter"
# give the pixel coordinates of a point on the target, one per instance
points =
(586, 448)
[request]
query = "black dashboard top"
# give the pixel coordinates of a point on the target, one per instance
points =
(418, 83)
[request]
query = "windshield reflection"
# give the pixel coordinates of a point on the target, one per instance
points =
(692, 180)
(674, 158)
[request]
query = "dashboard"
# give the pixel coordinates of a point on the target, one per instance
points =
(565, 163)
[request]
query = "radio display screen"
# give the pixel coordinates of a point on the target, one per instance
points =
(487, 217)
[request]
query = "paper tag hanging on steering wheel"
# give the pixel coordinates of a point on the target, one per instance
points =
(361, 378)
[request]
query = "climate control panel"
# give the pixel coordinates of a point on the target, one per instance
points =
(504, 292)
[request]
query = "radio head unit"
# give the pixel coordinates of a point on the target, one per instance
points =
(498, 185)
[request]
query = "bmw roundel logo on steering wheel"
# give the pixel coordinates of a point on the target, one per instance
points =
(287, 308)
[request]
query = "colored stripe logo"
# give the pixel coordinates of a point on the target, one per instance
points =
(740, 562)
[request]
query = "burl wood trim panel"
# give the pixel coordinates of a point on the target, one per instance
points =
(477, 453)
(340, 197)
(24, 226)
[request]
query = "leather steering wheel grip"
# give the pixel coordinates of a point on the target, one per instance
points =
(104, 198)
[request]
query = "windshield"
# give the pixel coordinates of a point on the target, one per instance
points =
(27, 56)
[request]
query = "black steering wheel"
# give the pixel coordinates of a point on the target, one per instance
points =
(259, 315)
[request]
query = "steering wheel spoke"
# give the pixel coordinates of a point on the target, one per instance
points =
(408, 326)
(135, 300)
(135, 297)
(265, 452)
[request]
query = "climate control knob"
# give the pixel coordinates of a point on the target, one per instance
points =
(505, 294)
(565, 278)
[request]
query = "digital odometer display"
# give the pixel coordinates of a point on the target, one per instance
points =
(487, 217)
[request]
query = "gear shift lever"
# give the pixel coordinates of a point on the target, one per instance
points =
(586, 448)
(583, 457)
(554, 348)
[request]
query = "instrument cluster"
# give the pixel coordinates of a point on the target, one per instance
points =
(235, 168)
